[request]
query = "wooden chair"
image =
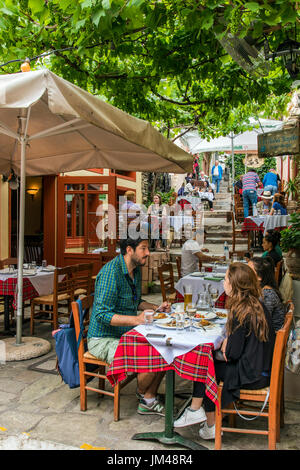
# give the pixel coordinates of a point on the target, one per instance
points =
(236, 232)
(83, 282)
(178, 263)
(272, 412)
(168, 290)
(278, 272)
(238, 208)
(85, 358)
(63, 291)
(5, 263)
(105, 258)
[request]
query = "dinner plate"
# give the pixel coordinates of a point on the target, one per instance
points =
(175, 305)
(157, 318)
(207, 327)
(197, 274)
(165, 325)
(206, 316)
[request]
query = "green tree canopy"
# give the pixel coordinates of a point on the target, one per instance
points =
(158, 60)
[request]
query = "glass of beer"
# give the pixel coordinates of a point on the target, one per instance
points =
(188, 296)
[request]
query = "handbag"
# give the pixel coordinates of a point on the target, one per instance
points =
(218, 355)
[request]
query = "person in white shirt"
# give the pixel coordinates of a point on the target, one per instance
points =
(192, 253)
(188, 189)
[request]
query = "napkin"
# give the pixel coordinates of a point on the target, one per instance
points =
(217, 279)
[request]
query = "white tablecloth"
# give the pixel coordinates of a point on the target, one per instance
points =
(179, 221)
(270, 221)
(42, 281)
(196, 284)
(181, 342)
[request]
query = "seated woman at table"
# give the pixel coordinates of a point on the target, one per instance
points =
(247, 350)
(269, 244)
(278, 204)
(207, 194)
(276, 236)
(271, 297)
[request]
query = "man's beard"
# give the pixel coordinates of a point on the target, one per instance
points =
(136, 262)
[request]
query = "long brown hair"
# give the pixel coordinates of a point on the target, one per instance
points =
(243, 303)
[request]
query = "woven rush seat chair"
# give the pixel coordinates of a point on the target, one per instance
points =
(63, 291)
(270, 397)
(86, 359)
(83, 279)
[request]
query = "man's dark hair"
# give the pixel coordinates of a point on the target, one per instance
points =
(133, 243)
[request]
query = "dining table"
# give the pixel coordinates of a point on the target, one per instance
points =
(35, 283)
(189, 354)
(197, 282)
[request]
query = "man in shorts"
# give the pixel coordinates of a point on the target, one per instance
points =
(115, 311)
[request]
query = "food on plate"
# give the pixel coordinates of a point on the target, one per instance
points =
(205, 322)
(160, 316)
(221, 314)
(199, 315)
(172, 323)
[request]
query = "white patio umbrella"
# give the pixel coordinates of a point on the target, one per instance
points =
(49, 126)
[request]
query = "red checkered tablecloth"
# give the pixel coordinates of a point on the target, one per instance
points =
(249, 226)
(9, 287)
(135, 354)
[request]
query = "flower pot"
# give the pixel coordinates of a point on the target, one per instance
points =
(293, 262)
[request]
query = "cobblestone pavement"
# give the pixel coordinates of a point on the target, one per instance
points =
(38, 411)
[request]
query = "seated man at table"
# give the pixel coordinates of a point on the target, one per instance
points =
(192, 253)
(115, 311)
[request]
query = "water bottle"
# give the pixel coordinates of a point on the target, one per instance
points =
(254, 210)
(226, 251)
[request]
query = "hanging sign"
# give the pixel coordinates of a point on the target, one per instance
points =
(283, 142)
(253, 161)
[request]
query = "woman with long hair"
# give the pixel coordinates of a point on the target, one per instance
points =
(278, 204)
(271, 297)
(247, 349)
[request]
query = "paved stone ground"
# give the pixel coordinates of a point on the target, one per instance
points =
(38, 411)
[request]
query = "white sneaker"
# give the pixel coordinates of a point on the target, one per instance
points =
(207, 432)
(190, 417)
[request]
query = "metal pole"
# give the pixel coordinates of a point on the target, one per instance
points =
(233, 172)
(23, 140)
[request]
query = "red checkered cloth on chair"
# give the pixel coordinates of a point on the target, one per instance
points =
(9, 287)
(250, 226)
(135, 354)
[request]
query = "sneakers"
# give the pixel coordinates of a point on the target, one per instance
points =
(206, 432)
(156, 408)
(190, 417)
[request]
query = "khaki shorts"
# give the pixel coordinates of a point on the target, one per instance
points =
(103, 348)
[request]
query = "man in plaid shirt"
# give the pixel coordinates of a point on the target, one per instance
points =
(116, 303)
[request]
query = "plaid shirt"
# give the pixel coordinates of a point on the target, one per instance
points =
(115, 293)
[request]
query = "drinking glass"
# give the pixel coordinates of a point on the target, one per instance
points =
(44, 263)
(188, 295)
(191, 311)
(234, 258)
(180, 322)
(214, 296)
(148, 314)
(11, 268)
(202, 302)
(33, 265)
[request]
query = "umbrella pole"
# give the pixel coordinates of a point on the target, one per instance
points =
(233, 172)
(23, 141)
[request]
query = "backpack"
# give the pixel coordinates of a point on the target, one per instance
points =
(66, 348)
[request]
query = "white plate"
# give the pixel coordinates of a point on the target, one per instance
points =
(166, 327)
(197, 274)
(208, 327)
(207, 316)
(175, 305)
(163, 321)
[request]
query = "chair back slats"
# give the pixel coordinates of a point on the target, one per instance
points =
(278, 272)
(8, 261)
(166, 282)
(83, 277)
(64, 282)
(87, 303)
(178, 263)
(279, 358)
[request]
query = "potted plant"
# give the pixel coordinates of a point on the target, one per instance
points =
(290, 243)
